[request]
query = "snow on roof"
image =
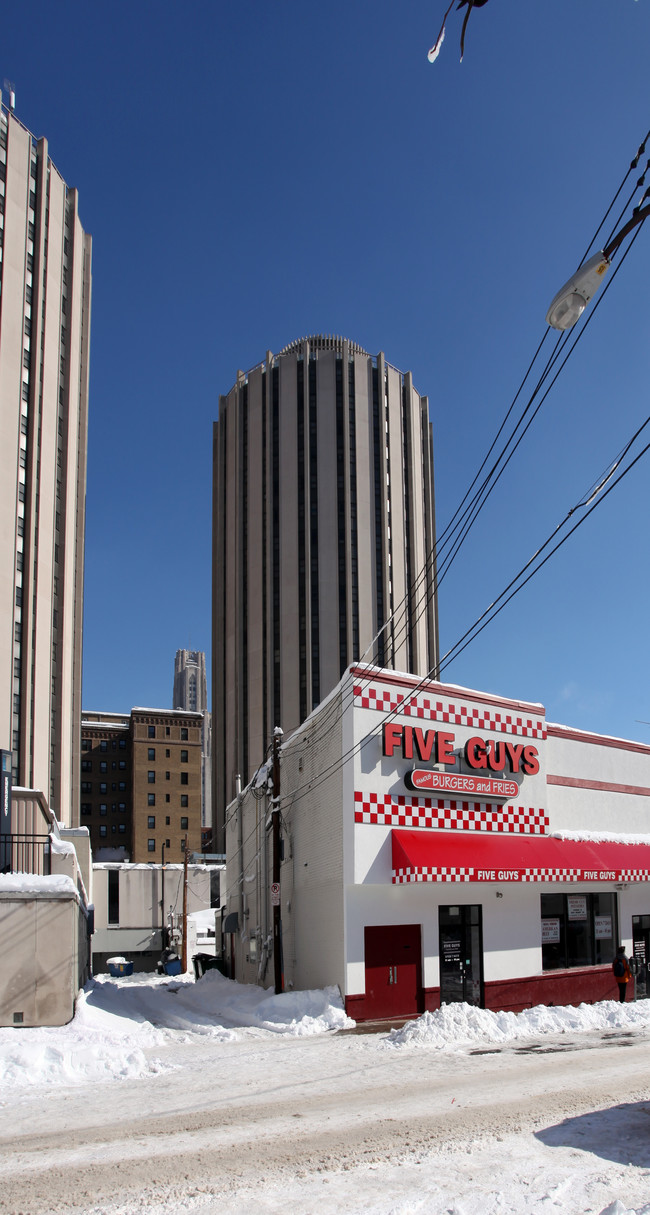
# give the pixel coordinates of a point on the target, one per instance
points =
(107, 725)
(602, 837)
(593, 736)
(192, 867)
(61, 847)
(37, 885)
(387, 674)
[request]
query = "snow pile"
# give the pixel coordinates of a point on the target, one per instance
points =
(95, 1045)
(119, 1022)
(215, 1002)
(455, 1025)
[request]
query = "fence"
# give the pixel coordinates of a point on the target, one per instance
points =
(25, 854)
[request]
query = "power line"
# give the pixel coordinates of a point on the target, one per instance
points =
(596, 498)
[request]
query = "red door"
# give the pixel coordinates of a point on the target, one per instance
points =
(393, 970)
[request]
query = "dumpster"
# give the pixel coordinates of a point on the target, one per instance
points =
(119, 966)
(206, 961)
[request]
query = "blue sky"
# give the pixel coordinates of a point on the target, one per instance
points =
(254, 172)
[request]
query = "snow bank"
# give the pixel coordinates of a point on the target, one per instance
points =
(215, 1006)
(455, 1025)
(119, 1022)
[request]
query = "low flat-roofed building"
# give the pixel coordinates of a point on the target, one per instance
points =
(440, 844)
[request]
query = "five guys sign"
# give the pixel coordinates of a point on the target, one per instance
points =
(481, 755)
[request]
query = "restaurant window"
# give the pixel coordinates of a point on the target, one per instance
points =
(578, 930)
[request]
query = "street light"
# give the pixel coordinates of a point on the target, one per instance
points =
(571, 300)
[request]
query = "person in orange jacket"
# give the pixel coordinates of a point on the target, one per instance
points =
(622, 972)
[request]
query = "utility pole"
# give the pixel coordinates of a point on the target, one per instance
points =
(184, 949)
(163, 938)
(275, 888)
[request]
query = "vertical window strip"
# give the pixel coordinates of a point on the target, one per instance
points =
(313, 535)
(265, 596)
(221, 725)
(390, 524)
(302, 555)
(354, 552)
(244, 518)
(275, 405)
(340, 509)
(408, 551)
(378, 437)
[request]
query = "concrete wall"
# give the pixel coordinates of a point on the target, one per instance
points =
(46, 958)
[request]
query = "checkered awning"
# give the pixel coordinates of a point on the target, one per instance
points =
(443, 856)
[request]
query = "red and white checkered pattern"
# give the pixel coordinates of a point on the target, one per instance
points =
(551, 875)
(403, 811)
(635, 875)
(442, 873)
(386, 700)
(426, 873)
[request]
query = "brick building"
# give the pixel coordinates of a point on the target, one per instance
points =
(141, 783)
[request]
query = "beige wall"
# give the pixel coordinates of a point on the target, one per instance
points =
(44, 342)
(46, 958)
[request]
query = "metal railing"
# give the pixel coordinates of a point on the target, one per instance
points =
(25, 854)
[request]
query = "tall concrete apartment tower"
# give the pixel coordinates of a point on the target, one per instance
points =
(45, 284)
(191, 694)
(323, 527)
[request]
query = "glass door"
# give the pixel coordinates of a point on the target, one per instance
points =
(461, 954)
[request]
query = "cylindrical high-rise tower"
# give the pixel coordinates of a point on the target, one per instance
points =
(323, 527)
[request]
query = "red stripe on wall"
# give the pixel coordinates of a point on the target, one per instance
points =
(574, 782)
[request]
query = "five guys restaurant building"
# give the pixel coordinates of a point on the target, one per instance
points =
(439, 844)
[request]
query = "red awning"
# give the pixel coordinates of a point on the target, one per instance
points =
(472, 856)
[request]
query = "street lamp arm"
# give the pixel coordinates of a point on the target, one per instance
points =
(634, 222)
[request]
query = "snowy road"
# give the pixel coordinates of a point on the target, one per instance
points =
(555, 1124)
